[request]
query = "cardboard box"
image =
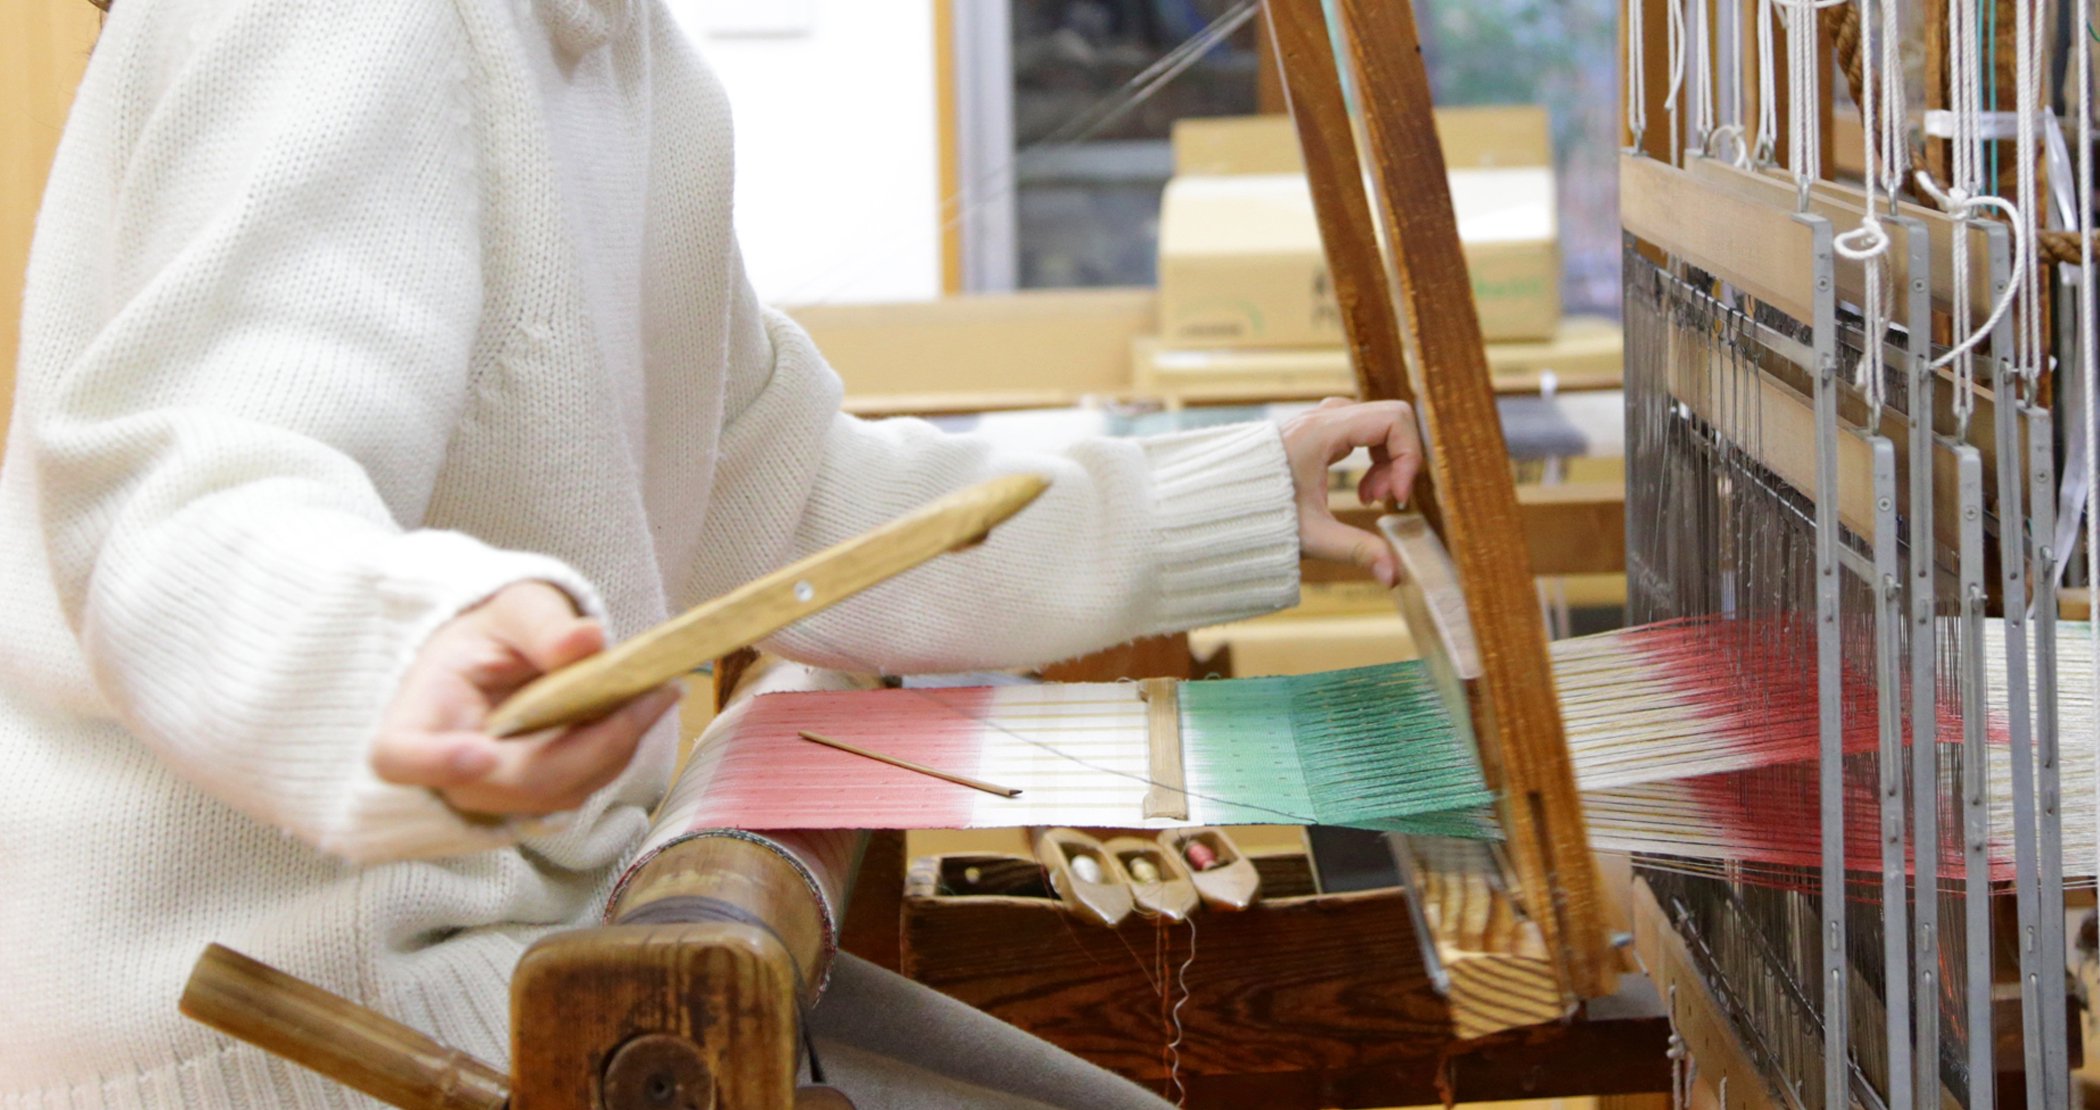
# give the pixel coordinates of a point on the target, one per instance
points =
(1039, 348)
(1240, 258)
(1481, 137)
(1585, 352)
(1241, 264)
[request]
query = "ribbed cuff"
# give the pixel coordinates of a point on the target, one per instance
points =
(424, 580)
(1227, 525)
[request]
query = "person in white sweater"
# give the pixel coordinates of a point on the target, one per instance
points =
(378, 356)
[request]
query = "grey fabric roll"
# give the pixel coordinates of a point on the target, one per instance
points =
(888, 1042)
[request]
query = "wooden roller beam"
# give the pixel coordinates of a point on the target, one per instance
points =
(748, 879)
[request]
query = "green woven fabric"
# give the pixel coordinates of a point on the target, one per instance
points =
(1371, 747)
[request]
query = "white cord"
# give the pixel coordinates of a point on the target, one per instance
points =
(1881, 104)
(1677, 1053)
(1731, 21)
(1804, 122)
(1181, 1092)
(1636, 72)
(1962, 198)
(1703, 115)
(2027, 105)
(1728, 125)
(1804, 127)
(1962, 206)
(1767, 144)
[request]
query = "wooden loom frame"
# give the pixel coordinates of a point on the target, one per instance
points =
(708, 1011)
(1384, 208)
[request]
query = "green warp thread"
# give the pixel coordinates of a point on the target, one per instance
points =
(1372, 747)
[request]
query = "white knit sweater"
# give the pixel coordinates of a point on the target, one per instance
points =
(341, 316)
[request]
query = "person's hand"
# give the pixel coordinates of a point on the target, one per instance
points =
(1316, 440)
(431, 735)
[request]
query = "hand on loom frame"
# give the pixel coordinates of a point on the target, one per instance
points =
(1316, 440)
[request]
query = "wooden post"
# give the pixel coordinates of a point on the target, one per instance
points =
(1519, 717)
(1356, 267)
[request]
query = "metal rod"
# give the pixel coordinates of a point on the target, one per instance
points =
(1837, 1025)
(1887, 586)
(2049, 862)
(1924, 701)
(1975, 778)
(2012, 582)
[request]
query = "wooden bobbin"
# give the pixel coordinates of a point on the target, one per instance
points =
(1159, 882)
(1085, 876)
(1230, 882)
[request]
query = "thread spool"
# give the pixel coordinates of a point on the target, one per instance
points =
(1201, 856)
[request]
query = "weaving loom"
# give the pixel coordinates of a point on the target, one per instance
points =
(703, 1011)
(1842, 416)
(1829, 700)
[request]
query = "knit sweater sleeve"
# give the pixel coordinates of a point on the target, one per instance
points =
(230, 463)
(1135, 537)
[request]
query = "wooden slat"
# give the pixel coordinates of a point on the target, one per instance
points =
(1291, 983)
(1523, 741)
(1765, 241)
(1659, 195)
(1842, 205)
(1695, 1015)
(1500, 976)
(1757, 248)
(1169, 796)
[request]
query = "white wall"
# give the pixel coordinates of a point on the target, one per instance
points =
(838, 181)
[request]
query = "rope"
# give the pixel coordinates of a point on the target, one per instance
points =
(1962, 201)
(1880, 87)
(2027, 103)
(1764, 149)
(1636, 72)
(2056, 246)
(1704, 115)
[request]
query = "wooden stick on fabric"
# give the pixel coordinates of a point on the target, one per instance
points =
(1169, 795)
(595, 686)
(921, 768)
